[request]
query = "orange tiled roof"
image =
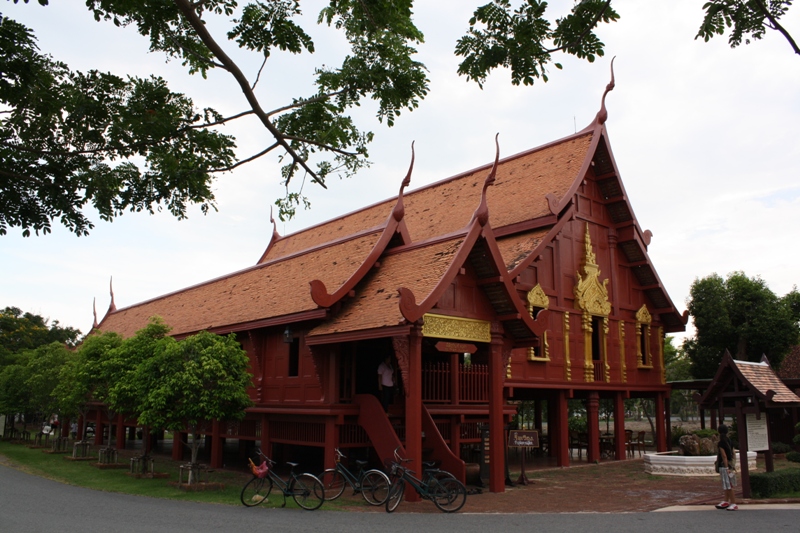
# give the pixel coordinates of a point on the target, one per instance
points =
(376, 301)
(516, 248)
(763, 379)
(279, 284)
(267, 290)
(518, 194)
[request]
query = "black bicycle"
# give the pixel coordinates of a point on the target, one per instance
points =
(439, 486)
(372, 484)
(306, 489)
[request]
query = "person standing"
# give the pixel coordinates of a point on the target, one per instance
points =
(386, 382)
(727, 470)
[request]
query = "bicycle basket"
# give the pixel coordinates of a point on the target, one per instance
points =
(259, 471)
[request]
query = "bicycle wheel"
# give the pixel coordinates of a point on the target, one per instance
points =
(374, 487)
(449, 495)
(333, 482)
(307, 491)
(396, 491)
(256, 491)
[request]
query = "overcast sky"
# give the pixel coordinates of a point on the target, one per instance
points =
(705, 138)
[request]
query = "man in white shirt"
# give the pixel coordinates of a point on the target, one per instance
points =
(386, 382)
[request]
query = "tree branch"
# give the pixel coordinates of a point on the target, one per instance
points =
(185, 7)
(223, 121)
(243, 161)
(258, 75)
(777, 26)
(321, 145)
(585, 32)
(306, 102)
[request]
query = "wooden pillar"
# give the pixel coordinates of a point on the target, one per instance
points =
(177, 445)
(120, 433)
(593, 426)
(702, 418)
(496, 431)
(414, 405)
(266, 445)
(81, 423)
(331, 442)
(620, 451)
(668, 427)
(769, 464)
(660, 437)
(455, 378)
(217, 444)
(537, 416)
(98, 428)
(559, 432)
(455, 435)
(741, 430)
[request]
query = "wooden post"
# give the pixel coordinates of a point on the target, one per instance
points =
(593, 427)
(455, 378)
(496, 430)
(331, 440)
(559, 433)
(216, 445)
(414, 406)
(177, 445)
(266, 445)
(741, 429)
(660, 436)
(620, 452)
(120, 433)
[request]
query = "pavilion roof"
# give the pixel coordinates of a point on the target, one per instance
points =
(742, 377)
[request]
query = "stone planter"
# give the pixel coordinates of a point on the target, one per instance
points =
(670, 464)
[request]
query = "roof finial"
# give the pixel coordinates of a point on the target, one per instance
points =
(94, 312)
(482, 213)
(399, 210)
(275, 234)
(112, 306)
(602, 115)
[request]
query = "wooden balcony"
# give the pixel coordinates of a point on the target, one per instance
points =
(468, 384)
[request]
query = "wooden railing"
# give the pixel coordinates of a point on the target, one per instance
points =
(438, 382)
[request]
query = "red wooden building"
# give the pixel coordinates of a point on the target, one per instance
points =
(526, 279)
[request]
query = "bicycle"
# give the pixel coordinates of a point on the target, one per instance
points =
(306, 489)
(372, 484)
(439, 486)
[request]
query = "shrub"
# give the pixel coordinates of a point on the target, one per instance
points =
(706, 433)
(793, 457)
(577, 423)
(677, 433)
(780, 447)
(768, 484)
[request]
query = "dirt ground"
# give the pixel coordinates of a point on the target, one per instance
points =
(608, 487)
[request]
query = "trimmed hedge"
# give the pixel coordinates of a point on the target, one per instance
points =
(793, 456)
(768, 484)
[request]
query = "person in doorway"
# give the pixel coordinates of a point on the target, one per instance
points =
(727, 469)
(386, 382)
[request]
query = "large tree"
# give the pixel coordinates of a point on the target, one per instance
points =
(741, 315)
(186, 383)
(69, 140)
(21, 332)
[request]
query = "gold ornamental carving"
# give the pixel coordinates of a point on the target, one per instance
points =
(537, 299)
(591, 295)
(456, 328)
(643, 316)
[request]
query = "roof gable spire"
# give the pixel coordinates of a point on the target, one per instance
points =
(94, 312)
(482, 212)
(112, 306)
(399, 209)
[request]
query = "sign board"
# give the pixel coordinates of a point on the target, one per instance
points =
(523, 439)
(456, 347)
(757, 436)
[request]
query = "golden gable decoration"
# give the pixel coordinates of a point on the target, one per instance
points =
(538, 299)
(591, 295)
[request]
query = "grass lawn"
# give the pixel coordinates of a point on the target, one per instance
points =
(85, 474)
